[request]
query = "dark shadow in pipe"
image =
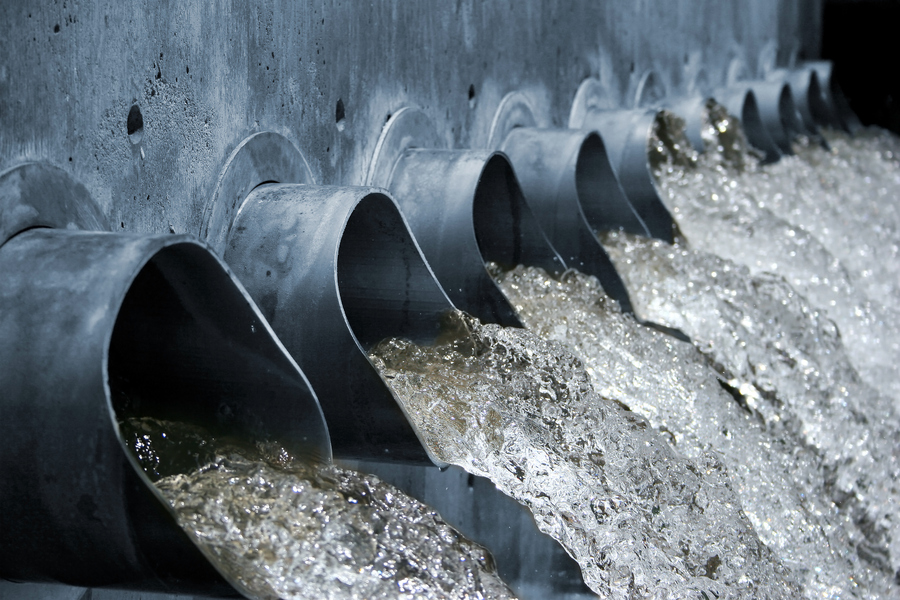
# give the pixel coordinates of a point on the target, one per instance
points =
(220, 366)
(335, 270)
(806, 93)
(777, 111)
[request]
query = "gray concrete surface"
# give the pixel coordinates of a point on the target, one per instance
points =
(206, 75)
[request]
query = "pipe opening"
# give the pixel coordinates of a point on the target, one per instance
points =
(188, 347)
(818, 105)
(600, 194)
(756, 131)
(386, 288)
(789, 116)
(499, 216)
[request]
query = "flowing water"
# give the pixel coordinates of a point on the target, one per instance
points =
(727, 204)
(641, 520)
(278, 528)
(781, 482)
(788, 364)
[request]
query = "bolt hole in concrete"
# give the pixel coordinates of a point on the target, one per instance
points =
(135, 125)
(339, 115)
(471, 95)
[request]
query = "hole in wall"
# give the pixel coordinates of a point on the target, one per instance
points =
(135, 124)
(339, 114)
(472, 95)
(56, 28)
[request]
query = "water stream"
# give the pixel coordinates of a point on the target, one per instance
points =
(278, 528)
(788, 364)
(641, 520)
(727, 204)
(782, 483)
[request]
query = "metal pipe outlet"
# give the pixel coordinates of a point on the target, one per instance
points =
(567, 179)
(465, 208)
(778, 112)
(807, 93)
(100, 326)
(335, 271)
(626, 135)
(837, 111)
(741, 102)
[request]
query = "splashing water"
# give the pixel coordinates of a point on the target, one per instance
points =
(840, 197)
(737, 208)
(277, 528)
(790, 367)
(781, 483)
(642, 521)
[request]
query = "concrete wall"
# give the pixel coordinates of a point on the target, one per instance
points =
(206, 75)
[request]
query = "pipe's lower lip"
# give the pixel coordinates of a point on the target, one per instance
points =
(99, 324)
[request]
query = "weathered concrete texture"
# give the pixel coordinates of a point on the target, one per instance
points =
(206, 75)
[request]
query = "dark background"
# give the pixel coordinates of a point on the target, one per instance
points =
(862, 37)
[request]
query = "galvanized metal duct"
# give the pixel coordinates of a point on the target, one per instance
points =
(98, 324)
(741, 102)
(335, 270)
(465, 208)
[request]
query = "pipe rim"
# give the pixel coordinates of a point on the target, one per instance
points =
(264, 157)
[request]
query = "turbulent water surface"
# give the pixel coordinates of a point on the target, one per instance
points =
(277, 528)
(783, 484)
(641, 520)
(788, 362)
(727, 204)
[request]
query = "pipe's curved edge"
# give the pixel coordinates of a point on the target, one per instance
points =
(435, 191)
(593, 173)
(804, 84)
(626, 135)
(408, 128)
(336, 270)
(129, 323)
(514, 111)
(775, 104)
(264, 157)
(39, 194)
(650, 91)
(590, 95)
(506, 229)
(837, 111)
